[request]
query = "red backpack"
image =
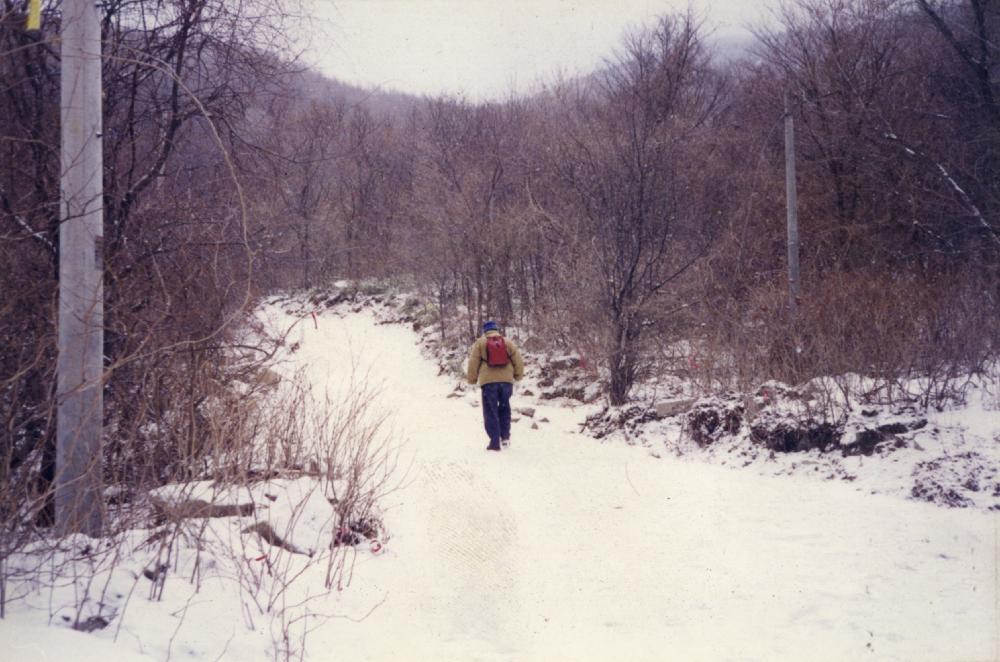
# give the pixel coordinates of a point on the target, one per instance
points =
(496, 352)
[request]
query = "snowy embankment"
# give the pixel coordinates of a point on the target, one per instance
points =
(564, 548)
(948, 456)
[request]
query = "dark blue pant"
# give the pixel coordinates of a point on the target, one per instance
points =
(496, 411)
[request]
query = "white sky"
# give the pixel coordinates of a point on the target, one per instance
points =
(485, 48)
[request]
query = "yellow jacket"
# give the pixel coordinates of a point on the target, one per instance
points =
(481, 373)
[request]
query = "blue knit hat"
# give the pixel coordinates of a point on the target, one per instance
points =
(490, 326)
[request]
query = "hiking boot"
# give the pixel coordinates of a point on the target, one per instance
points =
(493, 447)
(505, 442)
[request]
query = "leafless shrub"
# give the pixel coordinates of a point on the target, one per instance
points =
(254, 448)
(878, 338)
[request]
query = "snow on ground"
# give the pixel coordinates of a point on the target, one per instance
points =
(566, 548)
(949, 457)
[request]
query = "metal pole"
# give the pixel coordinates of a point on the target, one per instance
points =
(791, 200)
(80, 402)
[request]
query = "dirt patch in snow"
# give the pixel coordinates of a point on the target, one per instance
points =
(948, 480)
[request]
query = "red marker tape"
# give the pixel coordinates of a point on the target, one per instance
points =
(376, 547)
(315, 323)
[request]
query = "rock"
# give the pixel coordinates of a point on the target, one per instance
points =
(901, 427)
(808, 390)
(155, 572)
(267, 378)
(787, 434)
(772, 391)
(358, 529)
(710, 418)
(117, 494)
(533, 344)
(527, 411)
(271, 537)
(873, 425)
(787, 426)
(336, 297)
(92, 624)
(196, 508)
(674, 407)
(368, 527)
(565, 362)
(862, 442)
(568, 392)
(610, 420)
(534, 425)
(527, 392)
(544, 420)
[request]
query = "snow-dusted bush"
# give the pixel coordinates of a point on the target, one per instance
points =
(277, 492)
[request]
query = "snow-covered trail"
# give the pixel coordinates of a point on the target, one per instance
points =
(563, 548)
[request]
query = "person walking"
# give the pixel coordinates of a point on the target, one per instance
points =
(495, 363)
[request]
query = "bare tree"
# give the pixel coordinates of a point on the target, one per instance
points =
(179, 80)
(628, 156)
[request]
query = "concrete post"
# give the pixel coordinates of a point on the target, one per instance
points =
(80, 402)
(791, 200)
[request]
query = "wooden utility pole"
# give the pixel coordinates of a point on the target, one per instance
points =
(791, 200)
(80, 402)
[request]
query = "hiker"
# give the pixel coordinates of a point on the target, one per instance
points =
(495, 363)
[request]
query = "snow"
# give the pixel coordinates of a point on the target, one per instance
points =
(950, 457)
(561, 547)
(25, 639)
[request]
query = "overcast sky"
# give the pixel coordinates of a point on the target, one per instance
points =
(485, 48)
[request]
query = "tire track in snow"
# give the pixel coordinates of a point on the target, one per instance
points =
(472, 531)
